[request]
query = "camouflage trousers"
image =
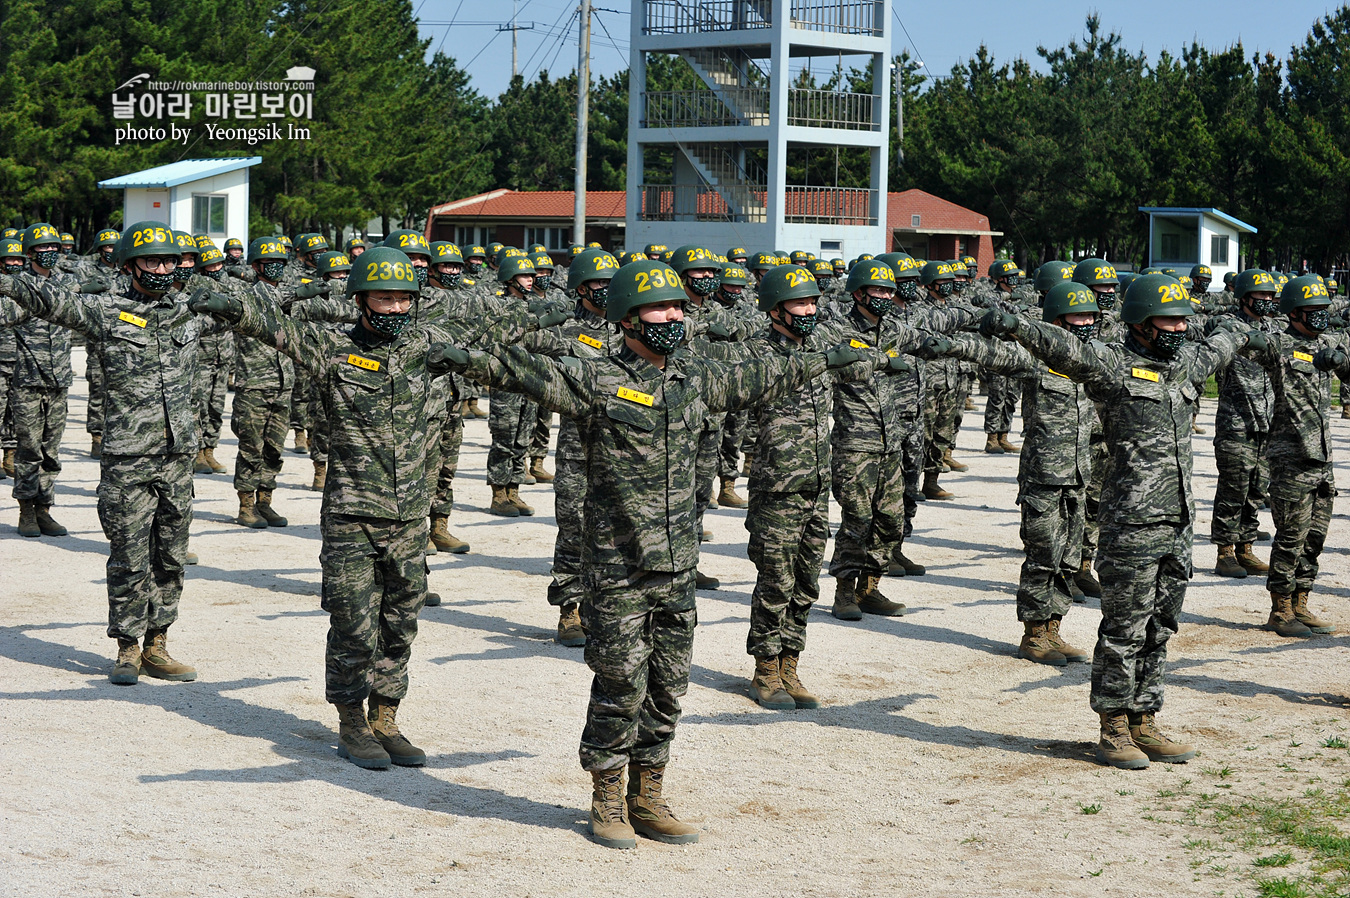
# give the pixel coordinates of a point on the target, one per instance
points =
(93, 374)
(706, 465)
(1144, 569)
(787, 545)
(734, 428)
(639, 643)
(1052, 534)
(1301, 499)
(260, 419)
(208, 390)
(569, 500)
(511, 420)
(543, 429)
(443, 456)
(1001, 403)
(145, 507)
(374, 586)
(318, 429)
(942, 420)
(1101, 459)
(302, 417)
(870, 490)
(7, 440)
(39, 424)
(1237, 499)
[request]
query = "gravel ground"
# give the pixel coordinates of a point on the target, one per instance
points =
(940, 764)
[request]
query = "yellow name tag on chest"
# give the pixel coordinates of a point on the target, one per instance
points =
(1066, 377)
(635, 396)
(131, 319)
(1144, 374)
(1303, 356)
(590, 341)
(858, 344)
(368, 364)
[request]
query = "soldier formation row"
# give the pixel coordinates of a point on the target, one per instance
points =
(834, 379)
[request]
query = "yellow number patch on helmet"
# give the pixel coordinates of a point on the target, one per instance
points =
(1172, 293)
(884, 273)
(657, 279)
(390, 271)
(339, 259)
(46, 231)
(185, 240)
(1080, 297)
(696, 255)
(271, 248)
(414, 240)
(606, 262)
(799, 277)
(147, 236)
(1311, 291)
(1103, 272)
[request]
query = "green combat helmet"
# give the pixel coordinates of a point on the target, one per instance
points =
(234, 243)
(763, 262)
(512, 267)
(270, 255)
(823, 272)
(209, 255)
(383, 268)
(1095, 273)
(314, 244)
(148, 238)
(784, 283)
(411, 243)
(1002, 269)
(655, 251)
(1051, 273)
(537, 248)
(935, 272)
(443, 252)
(1202, 276)
(543, 268)
(738, 255)
(1254, 280)
(1070, 298)
(640, 284)
(799, 257)
(12, 258)
(689, 258)
(331, 265)
(869, 273)
(591, 265)
(1153, 295)
(735, 275)
(1302, 293)
(354, 243)
(631, 256)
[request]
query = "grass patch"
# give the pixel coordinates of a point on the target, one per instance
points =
(1089, 808)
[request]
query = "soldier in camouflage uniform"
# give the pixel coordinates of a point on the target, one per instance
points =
(945, 390)
(511, 417)
(475, 261)
(641, 413)
(1053, 472)
(1301, 362)
(546, 290)
(215, 352)
(1001, 404)
(12, 261)
(304, 269)
(1148, 388)
(789, 519)
(1242, 435)
(735, 434)
(42, 376)
(263, 379)
(99, 265)
(147, 337)
(1109, 330)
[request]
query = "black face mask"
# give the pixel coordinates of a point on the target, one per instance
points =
(598, 296)
(907, 290)
(542, 282)
(1106, 300)
(472, 268)
(154, 282)
(801, 325)
(878, 305)
(946, 288)
(388, 324)
(1084, 332)
(13, 267)
(183, 272)
(824, 283)
(1168, 343)
(421, 272)
(705, 286)
(213, 275)
(67, 250)
(107, 257)
(46, 258)
(958, 287)
(662, 338)
(272, 270)
(1264, 307)
(1317, 320)
(449, 280)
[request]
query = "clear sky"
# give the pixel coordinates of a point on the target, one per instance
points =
(940, 34)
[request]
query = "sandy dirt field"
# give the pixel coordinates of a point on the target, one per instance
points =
(940, 764)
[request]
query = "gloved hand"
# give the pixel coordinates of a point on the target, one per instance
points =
(209, 302)
(1337, 321)
(896, 364)
(996, 324)
(554, 318)
(312, 289)
(442, 358)
(537, 306)
(95, 284)
(934, 346)
(718, 331)
(842, 356)
(1257, 340)
(1329, 359)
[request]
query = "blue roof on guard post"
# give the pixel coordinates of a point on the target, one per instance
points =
(180, 172)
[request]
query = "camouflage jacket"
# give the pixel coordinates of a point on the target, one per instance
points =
(258, 365)
(874, 414)
(1110, 329)
(1246, 397)
(793, 432)
(148, 349)
(41, 348)
(1147, 409)
(945, 374)
(641, 426)
(1300, 431)
(1057, 415)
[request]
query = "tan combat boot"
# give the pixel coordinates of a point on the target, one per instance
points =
(1036, 645)
(8, 464)
(301, 442)
(570, 631)
(991, 444)
(199, 465)
(538, 472)
(320, 476)
(1008, 445)
(474, 410)
(264, 510)
(28, 525)
(1116, 747)
(703, 581)
(903, 566)
(749, 463)
(444, 540)
(953, 463)
(1228, 565)
(384, 724)
(1247, 558)
(1087, 582)
(727, 497)
(96, 446)
(871, 601)
(792, 684)
(248, 517)
(46, 523)
(356, 741)
(502, 504)
(846, 600)
(513, 493)
(969, 404)
(609, 811)
(1057, 643)
(158, 663)
(216, 466)
(931, 488)
(766, 686)
(127, 669)
(647, 809)
(1305, 617)
(1151, 741)
(1282, 620)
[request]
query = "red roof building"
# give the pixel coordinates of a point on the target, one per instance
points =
(929, 227)
(522, 218)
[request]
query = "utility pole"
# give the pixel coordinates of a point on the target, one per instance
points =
(583, 122)
(514, 28)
